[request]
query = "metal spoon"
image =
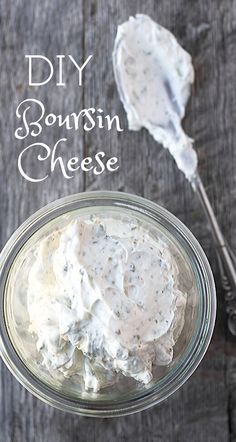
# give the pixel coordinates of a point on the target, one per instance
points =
(226, 258)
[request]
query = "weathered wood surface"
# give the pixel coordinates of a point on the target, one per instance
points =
(204, 409)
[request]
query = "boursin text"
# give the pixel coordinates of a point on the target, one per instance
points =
(84, 119)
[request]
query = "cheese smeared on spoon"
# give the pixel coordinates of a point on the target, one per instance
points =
(154, 75)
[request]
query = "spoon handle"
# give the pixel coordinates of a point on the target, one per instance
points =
(226, 258)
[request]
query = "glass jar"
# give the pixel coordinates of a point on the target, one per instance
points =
(17, 346)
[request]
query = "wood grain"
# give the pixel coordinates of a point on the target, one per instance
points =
(204, 409)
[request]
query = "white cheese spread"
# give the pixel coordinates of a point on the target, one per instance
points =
(103, 298)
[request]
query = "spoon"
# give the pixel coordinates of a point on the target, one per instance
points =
(226, 258)
(154, 76)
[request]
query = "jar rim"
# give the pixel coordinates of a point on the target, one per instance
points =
(201, 339)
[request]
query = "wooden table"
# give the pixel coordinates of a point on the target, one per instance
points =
(204, 409)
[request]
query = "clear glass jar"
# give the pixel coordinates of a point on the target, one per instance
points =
(18, 349)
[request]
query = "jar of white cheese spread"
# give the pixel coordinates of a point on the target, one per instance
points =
(107, 304)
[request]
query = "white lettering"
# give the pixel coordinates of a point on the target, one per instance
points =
(24, 115)
(60, 78)
(80, 69)
(100, 163)
(44, 59)
(39, 157)
(110, 121)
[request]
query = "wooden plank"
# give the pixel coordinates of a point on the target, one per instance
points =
(199, 410)
(204, 409)
(49, 29)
